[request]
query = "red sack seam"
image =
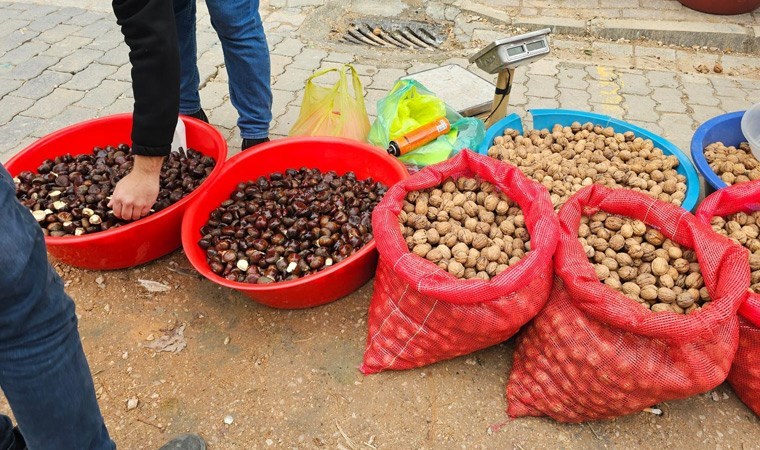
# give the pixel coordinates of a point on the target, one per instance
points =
(581, 282)
(409, 341)
(532, 198)
(744, 197)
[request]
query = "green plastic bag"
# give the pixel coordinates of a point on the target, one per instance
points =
(410, 105)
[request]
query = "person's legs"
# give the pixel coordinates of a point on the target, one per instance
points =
(184, 16)
(10, 438)
(246, 54)
(43, 370)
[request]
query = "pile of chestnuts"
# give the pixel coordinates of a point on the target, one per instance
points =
(69, 195)
(289, 225)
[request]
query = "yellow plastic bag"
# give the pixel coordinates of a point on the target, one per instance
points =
(333, 111)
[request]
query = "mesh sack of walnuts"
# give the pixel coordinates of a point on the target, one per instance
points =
(466, 227)
(593, 353)
(732, 164)
(422, 312)
(735, 211)
(567, 159)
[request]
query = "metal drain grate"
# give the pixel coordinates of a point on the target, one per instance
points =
(395, 34)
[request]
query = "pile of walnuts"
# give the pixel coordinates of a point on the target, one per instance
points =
(570, 158)
(465, 226)
(643, 264)
(733, 165)
(744, 229)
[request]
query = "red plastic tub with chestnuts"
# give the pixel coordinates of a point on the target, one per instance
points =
(129, 244)
(735, 211)
(296, 285)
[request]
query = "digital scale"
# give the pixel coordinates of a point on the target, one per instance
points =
(472, 95)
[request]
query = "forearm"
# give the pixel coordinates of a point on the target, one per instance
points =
(150, 32)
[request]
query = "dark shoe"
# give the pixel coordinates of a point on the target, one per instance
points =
(248, 143)
(200, 115)
(185, 442)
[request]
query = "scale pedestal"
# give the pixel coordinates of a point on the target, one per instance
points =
(465, 92)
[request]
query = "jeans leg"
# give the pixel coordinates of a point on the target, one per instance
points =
(184, 16)
(43, 370)
(246, 55)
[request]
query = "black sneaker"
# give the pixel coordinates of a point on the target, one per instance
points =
(200, 115)
(248, 143)
(185, 442)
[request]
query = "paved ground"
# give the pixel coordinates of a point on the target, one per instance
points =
(289, 379)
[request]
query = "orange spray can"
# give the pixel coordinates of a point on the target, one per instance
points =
(419, 137)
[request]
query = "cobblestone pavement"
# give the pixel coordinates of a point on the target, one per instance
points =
(63, 61)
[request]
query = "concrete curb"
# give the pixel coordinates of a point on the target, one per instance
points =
(739, 38)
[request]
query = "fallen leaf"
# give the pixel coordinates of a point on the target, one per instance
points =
(154, 286)
(173, 341)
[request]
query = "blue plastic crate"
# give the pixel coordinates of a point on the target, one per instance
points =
(547, 118)
(725, 128)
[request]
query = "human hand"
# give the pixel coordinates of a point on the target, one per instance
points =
(136, 193)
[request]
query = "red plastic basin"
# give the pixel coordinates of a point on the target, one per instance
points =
(138, 242)
(325, 154)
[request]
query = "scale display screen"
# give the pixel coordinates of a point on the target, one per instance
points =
(533, 46)
(514, 51)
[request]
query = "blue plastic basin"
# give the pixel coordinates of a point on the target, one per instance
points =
(725, 128)
(547, 118)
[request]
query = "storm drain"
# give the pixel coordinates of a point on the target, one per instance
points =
(408, 34)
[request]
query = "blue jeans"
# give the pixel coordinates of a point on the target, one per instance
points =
(246, 55)
(43, 370)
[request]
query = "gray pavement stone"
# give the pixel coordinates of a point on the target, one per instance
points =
(278, 64)
(90, 77)
(11, 105)
(280, 100)
(54, 104)
(606, 92)
(16, 38)
(640, 108)
(57, 33)
(12, 25)
(661, 79)
(77, 61)
(285, 121)
(417, 67)
(115, 57)
(544, 66)
(694, 78)
(18, 129)
(273, 39)
(291, 16)
(700, 94)
(204, 40)
(614, 49)
(124, 73)
(226, 115)
(543, 86)
(370, 101)
(288, 47)
(8, 86)
(36, 11)
(731, 104)
(43, 85)
(103, 95)
(74, 114)
(574, 99)
(86, 18)
(109, 41)
(67, 46)
(655, 53)
(668, 100)
(572, 78)
(385, 79)
(49, 21)
(121, 105)
(340, 57)
(705, 113)
(23, 52)
(678, 128)
(518, 95)
(615, 111)
(13, 150)
(541, 102)
(631, 83)
(32, 67)
(214, 94)
(308, 59)
(292, 80)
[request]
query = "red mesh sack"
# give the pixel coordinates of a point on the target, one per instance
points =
(745, 371)
(421, 314)
(593, 353)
